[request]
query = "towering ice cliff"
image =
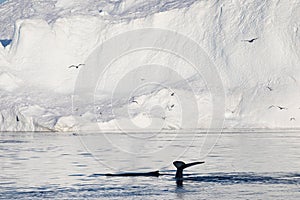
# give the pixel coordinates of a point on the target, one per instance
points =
(260, 78)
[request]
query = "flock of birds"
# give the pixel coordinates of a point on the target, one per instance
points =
(268, 87)
(279, 107)
(132, 100)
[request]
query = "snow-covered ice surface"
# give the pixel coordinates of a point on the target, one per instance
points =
(260, 79)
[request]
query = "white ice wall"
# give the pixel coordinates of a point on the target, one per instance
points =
(41, 52)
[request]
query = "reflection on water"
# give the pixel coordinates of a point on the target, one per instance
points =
(52, 165)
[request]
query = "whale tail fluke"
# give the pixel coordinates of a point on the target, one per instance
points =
(180, 165)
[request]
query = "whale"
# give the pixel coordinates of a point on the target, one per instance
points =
(153, 173)
(180, 166)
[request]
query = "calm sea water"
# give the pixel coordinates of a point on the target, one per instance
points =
(239, 166)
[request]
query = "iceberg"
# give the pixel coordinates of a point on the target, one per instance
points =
(150, 88)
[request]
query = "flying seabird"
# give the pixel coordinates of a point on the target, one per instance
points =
(172, 94)
(292, 118)
(271, 89)
(76, 66)
(282, 108)
(133, 101)
(250, 41)
(272, 106)
(170, 108)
